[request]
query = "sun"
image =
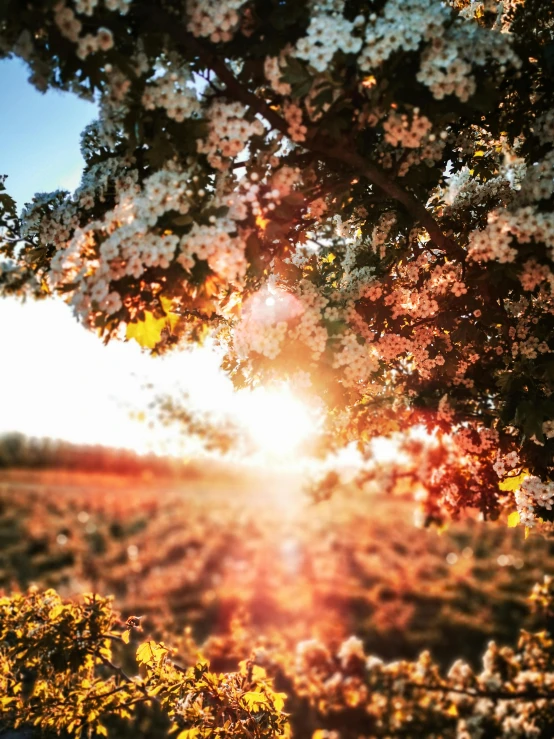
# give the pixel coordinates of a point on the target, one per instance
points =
(278, 422)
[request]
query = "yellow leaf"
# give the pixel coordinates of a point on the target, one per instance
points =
(527, 531)
(258, 673)
(479, 154)
(513, 483)
(148, 333)
(126, 636)
(452, 711)
(172, 318)
(513, 520)
(279, 700)
(101, 730)
(188, 734)
(254, 700)
(55, 612)
(150, 652)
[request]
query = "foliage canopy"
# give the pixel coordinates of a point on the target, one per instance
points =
(354, 197)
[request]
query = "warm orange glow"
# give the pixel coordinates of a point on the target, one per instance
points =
(278, 422)
(262, 222)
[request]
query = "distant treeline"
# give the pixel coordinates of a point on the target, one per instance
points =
(18, 450)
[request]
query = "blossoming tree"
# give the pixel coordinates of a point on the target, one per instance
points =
(354, 197)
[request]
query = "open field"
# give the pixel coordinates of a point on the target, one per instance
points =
(220, 550)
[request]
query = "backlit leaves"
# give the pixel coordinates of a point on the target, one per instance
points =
(148, 332)
(77, 685)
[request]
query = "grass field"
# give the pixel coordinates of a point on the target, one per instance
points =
(228, 548)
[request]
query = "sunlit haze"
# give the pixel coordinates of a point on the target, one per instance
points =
(60, 380)
(278, 422)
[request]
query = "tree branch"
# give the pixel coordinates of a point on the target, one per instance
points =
(352, 159)
(530, 694)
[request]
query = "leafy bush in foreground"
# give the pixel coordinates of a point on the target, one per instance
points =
(59, 674)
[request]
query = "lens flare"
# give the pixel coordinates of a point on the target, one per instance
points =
(277, 421)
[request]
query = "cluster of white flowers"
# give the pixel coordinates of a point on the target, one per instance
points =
(381, 232)
(447, 63)
(223, 252)
(443, 279)
(214, 19)
(545, 127)
(113, 106)
(530, 348)
(356, 361)
(118, 6)
(445, 412)
(50, 217)
(403, 25)
(471, 697)
(328, 34)
(300, 255)
(293, 115)
(505, 462)
(310, 653)
(533, 492)
(351, 649)
(128, 243)
(172, 91)
(67, 22)
(284, 180)
(496, 240)
(85, 7)
(255, 333)
(538, 183)
(399, 130)
(317, 208)
(477, 441)
(90, 43)
(228, 132)
(273, 73)
(310, 329)
(430, 151)
(275, 311)
(406, 302)
(349, 257)
(110, 175)
(70, 27)
(168, 189)
(464, 190)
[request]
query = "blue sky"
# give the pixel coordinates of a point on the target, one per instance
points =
(39, 134)
(57, 378)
